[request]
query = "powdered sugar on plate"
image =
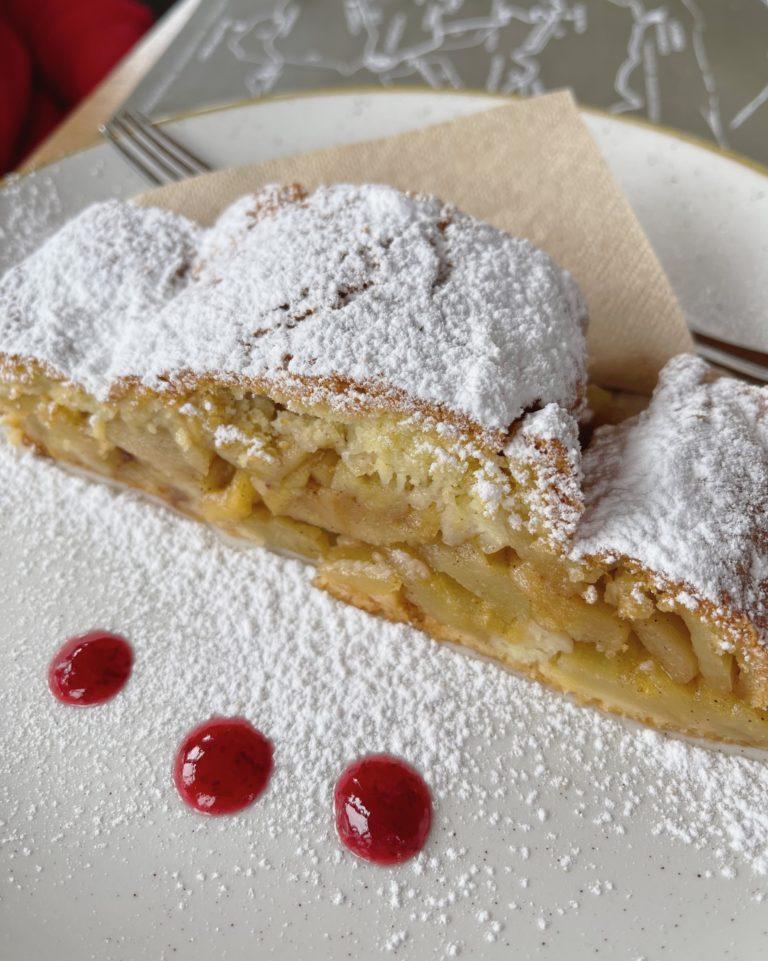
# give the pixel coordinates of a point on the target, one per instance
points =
(551, 819)
(683, 489)
(394, 295)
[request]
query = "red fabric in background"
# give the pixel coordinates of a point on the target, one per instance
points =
(53, 53)
(15, 88)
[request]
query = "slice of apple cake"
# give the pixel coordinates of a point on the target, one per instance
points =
(386, 387)
(313, 369)
(676, 518)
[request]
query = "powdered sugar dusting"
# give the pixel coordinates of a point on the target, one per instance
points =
(92, 286)
(548, 439)
(683, 489)
(540, 804)
(395, 293)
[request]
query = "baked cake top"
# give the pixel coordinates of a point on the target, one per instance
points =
(80, 302)
(363, 294)
(682, 489)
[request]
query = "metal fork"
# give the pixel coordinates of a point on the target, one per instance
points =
(743, 361)
(149, 149)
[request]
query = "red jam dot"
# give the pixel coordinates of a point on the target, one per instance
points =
(91, 668)
(383, 809)
(222, 766)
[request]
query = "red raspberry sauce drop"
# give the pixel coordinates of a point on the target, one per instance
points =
(90, 668)
(383, 809)
(222, 766)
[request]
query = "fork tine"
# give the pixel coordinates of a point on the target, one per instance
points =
(158, 136)
(149, 150)
(150, 153)
(133, 157)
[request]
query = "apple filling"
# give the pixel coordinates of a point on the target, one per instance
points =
(402, 522)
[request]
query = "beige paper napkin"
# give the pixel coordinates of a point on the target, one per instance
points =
(531, 168)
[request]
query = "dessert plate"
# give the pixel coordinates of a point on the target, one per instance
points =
(558, 832)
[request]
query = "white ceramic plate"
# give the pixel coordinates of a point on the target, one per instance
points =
(84, 876)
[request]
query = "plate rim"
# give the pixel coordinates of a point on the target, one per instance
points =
(724, 153)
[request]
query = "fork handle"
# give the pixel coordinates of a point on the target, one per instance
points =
(741, 360)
